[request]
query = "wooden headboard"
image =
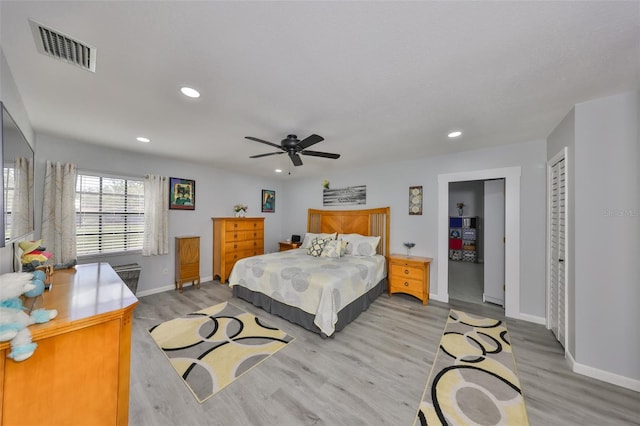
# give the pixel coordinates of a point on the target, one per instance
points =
(370, 222)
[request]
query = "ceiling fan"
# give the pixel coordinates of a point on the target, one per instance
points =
(294, 147)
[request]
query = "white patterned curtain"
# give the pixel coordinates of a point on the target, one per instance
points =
(59, 211)
(156, 215)
(22, 207)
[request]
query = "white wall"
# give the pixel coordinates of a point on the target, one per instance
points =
(388, 185)
(216, 193)
(607, 238)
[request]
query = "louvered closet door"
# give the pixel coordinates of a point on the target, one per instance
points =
(557, 301)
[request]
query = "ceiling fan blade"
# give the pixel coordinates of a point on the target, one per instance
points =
(321, 154)
(307, 142)
(295, 158)
(261, 141)
(267, 154)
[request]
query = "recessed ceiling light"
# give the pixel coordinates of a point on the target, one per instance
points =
(143, 139)
(278, 171)
(188, 91)
(455, 134)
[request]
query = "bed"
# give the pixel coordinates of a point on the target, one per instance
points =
(321, 294)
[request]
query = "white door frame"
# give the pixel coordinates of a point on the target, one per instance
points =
(511, 176)
(562, 155)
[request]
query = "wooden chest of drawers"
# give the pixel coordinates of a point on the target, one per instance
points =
(187, 261)
(234, 239)
(409, 275)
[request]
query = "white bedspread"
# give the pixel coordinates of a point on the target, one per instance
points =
(319, 286)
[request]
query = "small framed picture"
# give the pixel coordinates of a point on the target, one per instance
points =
(415, 200)
(182, 194)
(268, 201)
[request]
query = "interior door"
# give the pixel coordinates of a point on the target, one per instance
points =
(557, 252)
(494, 284)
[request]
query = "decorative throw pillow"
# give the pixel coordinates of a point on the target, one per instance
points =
(333, 248)
(310, 236)
(315, 249)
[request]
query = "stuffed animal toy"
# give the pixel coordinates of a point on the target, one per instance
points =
(13, 318)
(33, 255)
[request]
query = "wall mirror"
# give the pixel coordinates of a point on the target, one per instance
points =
(17, 160)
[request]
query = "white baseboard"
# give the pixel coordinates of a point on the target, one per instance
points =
(167, 288)
(155, 290)
(533, 318)
(602, 375)
(444, 299)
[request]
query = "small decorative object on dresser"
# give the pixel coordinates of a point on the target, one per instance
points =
(409, 275)
(187, 261)
(241, 210)
(409, 245)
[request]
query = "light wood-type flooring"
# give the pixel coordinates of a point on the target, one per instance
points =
(371, 373)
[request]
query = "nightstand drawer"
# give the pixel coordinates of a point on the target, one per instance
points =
(406, 284)
(405, 271)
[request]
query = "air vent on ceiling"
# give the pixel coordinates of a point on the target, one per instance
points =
(63, 47)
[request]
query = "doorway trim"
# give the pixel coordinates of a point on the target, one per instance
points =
(511, 176)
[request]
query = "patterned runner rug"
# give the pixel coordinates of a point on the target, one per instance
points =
(474, 378)
(211, 348)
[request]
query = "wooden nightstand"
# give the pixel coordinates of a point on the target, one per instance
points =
(409, 275)
(288, 245)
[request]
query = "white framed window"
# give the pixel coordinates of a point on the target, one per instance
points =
(109, 214)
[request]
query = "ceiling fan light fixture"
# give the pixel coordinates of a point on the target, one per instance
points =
(455, 134)
(190, 92)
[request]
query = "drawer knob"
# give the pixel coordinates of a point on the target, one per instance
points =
(235, 225)
(235, 235)
(406, 271)
(235, 246)
(406, 284)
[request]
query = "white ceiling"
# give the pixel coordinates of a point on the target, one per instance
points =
(380, 81)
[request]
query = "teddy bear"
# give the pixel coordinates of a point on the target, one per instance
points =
(14, 321)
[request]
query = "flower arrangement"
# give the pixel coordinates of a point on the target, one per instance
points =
(325, 184)
(240, 208)
(460, 205)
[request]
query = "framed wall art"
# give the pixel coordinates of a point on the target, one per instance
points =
(415, 200)
(268, 201)
(182, 194)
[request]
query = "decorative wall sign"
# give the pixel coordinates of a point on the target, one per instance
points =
(182, 194)
(268, 201)
(415, 200)
(343, 196)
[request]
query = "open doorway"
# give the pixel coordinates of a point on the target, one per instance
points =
(476, 241)
(511, 176)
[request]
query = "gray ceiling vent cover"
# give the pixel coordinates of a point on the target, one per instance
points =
(63, 47)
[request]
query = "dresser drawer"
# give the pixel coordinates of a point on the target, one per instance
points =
(407, 284)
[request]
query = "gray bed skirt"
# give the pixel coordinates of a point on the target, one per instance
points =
(304, 319)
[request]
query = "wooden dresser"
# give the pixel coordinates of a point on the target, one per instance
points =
(187, 261)
(79, 373)
(409, 275)
(235, 238)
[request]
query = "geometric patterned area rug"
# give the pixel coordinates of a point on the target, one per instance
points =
(474, 378)
(211, 348)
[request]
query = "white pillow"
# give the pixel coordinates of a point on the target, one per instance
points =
(359, 245)
(309, 237)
